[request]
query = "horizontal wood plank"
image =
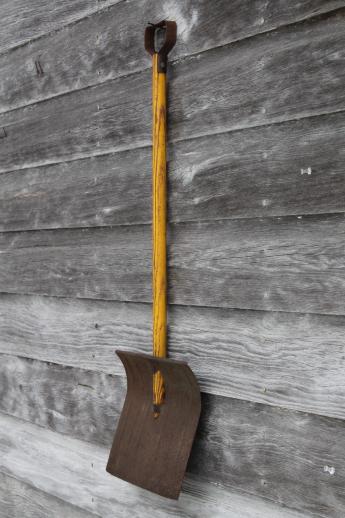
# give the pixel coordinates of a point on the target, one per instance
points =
(79, 477)
(290, 360)
(18, 500)
(292, 168)
(110, 43)
(287, 264)
(22, 21)
(254, 82)
(48, 395)
(290, 457)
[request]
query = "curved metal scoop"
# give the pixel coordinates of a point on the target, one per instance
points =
(153, 452)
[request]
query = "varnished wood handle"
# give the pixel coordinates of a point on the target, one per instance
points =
(159, 195)
(159, 216)
(159, 223)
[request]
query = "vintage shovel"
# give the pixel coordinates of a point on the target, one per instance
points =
(160, 415)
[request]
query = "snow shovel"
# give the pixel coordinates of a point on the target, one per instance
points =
(161, 411)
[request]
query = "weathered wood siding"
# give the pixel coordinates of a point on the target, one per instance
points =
(73, 470)
(256, 251)
(19, 499)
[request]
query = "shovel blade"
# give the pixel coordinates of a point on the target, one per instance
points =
(150, 452)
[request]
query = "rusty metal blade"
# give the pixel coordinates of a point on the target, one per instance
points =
(149, 452)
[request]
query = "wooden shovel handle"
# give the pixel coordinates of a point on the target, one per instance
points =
(159, 216)
(159, 224)
(159, 195)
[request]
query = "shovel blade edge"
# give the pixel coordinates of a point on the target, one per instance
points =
(150, 452)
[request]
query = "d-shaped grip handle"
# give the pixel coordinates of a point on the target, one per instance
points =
(169, 41)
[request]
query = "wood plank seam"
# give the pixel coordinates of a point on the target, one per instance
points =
(124, 149)
(55, 505)
(177, 60)
(62, 27)
(245, 446)
(206, 389)
(97, 492)
(102, 137)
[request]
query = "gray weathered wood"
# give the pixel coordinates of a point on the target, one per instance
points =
(267, 451)
(23, 21)
(223, 169)
(288, 264)
(110, 43)
(83, 404)
(224, 89)
(285, 169)
(20, 500)
(291, 457)
(290, 360)
(78, 476)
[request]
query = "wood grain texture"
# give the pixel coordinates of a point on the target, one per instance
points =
(290, 360)
(291, 457)
(291, 73)
(287, 264)
(109, 43)
(89, 95)
(50, 395)
(292, 168)
(267, 451)
(18, 500)
(80, 466)
(159, 219)
(22, 22)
